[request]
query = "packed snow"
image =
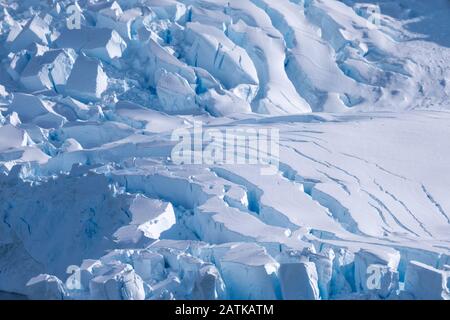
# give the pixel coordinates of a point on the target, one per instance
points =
(95, 205)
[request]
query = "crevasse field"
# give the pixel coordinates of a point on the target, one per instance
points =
(116, 181)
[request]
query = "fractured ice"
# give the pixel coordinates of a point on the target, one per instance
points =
(93, 204)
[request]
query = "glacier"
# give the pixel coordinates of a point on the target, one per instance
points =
(94, 204)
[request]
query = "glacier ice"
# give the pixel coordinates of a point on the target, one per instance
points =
(48, 71)
(102, 43)
(87, 81)
(152, 57)
(425, 282)
(210, 49)
(93, 204)
(36, 30)
(12, 137)
(149, 220)
(45, 287)
(118, 282)
(384, 265)
(299, 281)
(31, 109)
(149, 265)
(112, 16)
(175, 95)
(249, 271)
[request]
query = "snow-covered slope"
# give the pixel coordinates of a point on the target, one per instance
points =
(94, 205)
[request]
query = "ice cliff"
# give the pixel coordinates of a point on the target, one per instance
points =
(93, 205)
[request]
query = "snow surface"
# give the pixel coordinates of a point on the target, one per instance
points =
(87, 177)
